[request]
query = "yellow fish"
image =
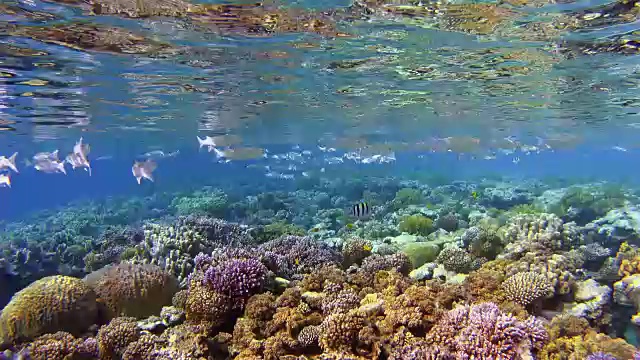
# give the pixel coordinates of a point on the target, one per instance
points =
(474, 195)
(367, 247)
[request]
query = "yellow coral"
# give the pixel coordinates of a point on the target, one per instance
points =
(629, 266)
(53, 303)
(580, 346)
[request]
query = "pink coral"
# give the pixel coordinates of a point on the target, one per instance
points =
(482, 331)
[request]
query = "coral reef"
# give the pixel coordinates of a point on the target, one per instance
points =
(132, 290)
(480, 280)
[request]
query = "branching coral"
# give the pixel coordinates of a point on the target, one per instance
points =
(292, 256)
(483, 332)
(237, 279)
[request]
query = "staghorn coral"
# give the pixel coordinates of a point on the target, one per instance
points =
(483, 331)
(114, 337)
(62, 346)
(53, 303)
(525, 288)
(132, 289)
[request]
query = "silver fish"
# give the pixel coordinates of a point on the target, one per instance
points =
(144, 169)
(46, 156)
(9, 162)
(207, 141)
(81, 149)
(50, 167)
(78, 161)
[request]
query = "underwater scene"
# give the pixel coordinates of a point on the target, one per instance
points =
(335, 179)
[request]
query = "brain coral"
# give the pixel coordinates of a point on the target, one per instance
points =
(133, 289)
(526, 287)
(53, 303)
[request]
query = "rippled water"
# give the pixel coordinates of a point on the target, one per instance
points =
(515, 88)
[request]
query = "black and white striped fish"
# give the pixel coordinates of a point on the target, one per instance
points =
(360, 210)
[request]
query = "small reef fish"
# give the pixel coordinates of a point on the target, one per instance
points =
(247, 153)
(474, 195)
(45, 156)
(144, 169)
(159, 154)
(50, 167)
(9, 162)
(78, 158)
(360, 210)
(78, 161)
(5, 180)
(48, 162)
(207, 141)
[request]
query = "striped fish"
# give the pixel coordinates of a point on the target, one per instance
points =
(360, 210)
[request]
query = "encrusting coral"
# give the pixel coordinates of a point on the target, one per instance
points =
(133, 289)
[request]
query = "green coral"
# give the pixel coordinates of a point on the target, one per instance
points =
(525, 209)
(599, 200)
(276, 230)
(203, 202)
(53, 303)
(416, 224)
(407, 196)
(420, 253)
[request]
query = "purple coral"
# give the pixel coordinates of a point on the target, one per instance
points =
(420, 350)
(237, 278)
(601, 356)
(484, 332)
(291, 256)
